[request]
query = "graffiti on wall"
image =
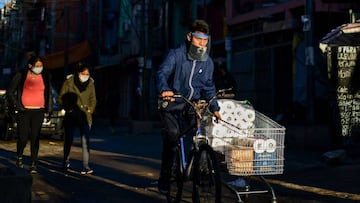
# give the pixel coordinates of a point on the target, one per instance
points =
(348, 100)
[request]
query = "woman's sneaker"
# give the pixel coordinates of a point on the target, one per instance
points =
(86, 170)
(66, 166)
(19, 162)
(33, 168)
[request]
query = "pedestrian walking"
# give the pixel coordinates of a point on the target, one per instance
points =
(188, 70)
(30, 97)
(77, 96)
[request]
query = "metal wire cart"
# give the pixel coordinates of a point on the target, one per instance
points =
(252, 144)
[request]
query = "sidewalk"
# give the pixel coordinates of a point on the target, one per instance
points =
(127, 164)
(123, 171)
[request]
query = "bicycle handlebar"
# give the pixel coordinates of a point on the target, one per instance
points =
(221, 92)
(201, 105)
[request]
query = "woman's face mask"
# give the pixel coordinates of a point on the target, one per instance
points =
(37, 70)
(84, 78)
(84, 75)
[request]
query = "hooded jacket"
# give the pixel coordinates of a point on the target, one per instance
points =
(191, 78)
(86, 99)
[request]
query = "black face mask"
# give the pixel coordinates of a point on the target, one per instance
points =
(197, 53)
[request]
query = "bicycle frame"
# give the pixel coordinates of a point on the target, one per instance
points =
(202, 163)
(199, 138)
(201, 108)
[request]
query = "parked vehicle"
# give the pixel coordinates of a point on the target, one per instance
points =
(50, 127)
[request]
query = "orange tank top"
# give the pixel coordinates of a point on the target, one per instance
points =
(33, 92)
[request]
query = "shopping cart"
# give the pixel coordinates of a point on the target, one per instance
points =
(252, 144)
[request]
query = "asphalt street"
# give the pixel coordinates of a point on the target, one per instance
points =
(126, 168)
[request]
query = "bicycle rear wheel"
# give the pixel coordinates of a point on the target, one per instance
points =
(206, 180)
(176, 179)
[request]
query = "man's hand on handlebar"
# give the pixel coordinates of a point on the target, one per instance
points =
(168, 96)
(217, 116)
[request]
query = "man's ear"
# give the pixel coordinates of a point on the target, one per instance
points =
(188, 36)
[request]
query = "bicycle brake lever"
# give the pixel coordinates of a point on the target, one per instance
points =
(222, 91)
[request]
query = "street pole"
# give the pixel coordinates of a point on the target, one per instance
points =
(52, 25)
(66, 51)
(309, 58)
(99, 33)
(194, 10)
(228, 44)
(166, 24)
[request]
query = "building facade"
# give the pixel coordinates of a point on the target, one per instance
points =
(275, 56)
(262, 42)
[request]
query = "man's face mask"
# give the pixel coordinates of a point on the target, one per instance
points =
(198, 46)
(197, 52)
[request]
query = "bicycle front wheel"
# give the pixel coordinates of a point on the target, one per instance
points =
(176, 179)
(206, 180)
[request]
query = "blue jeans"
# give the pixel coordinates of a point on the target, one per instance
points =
(70, 132)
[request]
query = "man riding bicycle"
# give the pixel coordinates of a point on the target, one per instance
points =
(187, 70)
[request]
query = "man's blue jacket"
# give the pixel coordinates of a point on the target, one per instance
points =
(191, 78)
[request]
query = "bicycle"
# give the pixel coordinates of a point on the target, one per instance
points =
(202, 167)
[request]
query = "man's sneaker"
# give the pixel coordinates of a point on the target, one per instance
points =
(86, 170)
(163, 186)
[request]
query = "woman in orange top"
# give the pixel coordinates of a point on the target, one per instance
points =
(30, 97)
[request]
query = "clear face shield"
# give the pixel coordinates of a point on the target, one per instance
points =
(197, 52)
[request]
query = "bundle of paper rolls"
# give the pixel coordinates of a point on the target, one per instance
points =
(239, 123)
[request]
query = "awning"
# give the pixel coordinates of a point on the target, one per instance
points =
(76, 53)
(344, 35)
